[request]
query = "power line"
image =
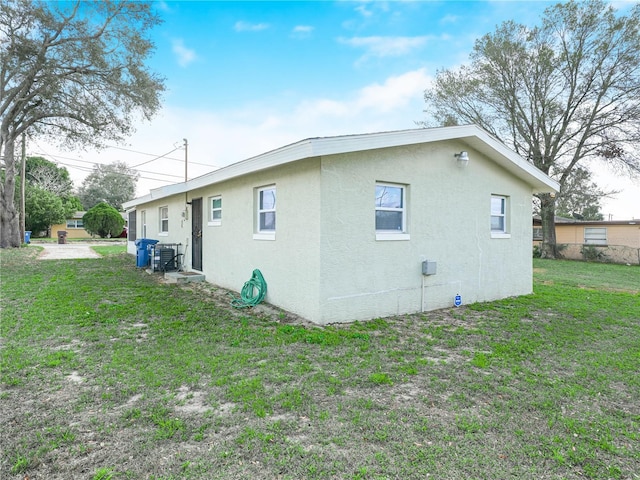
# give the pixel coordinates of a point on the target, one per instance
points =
(134, 167)
(138, 152)
(88, 169)
(96, 163)
(162, 156)
(154, 159)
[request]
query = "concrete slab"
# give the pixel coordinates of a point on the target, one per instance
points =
(183, 277)
(67, 251)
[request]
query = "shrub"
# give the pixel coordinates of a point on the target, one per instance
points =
(103, 220)
(592, 254)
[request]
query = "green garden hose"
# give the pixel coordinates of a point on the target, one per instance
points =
(252, 293)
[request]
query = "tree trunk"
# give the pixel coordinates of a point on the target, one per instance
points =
(548, 248)
(9, 220)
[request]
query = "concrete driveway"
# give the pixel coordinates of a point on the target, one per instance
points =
(71, 250)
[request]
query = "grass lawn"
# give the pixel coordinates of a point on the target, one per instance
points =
(109, 374)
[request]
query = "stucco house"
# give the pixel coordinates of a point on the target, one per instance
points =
(342, 228)
(73, 226)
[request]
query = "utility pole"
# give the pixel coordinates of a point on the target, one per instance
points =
(186, 149)
(22, 187)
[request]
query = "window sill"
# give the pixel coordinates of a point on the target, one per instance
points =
(163, 234)
(500, 235)
(264, 236)
(392, 236)
(214, 224)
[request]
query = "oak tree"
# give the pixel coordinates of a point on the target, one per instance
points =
(73, 73)
(114, 184)
(559, 93)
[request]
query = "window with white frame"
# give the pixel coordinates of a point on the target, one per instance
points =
(215, 210)
(143, 223)
(75, 223)
(499, 220)
(595, 235)
(391, 211)
(164, 220)
(266, 210)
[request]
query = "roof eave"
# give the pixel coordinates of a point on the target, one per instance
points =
(313, 147)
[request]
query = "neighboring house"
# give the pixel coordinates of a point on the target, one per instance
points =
(340, 226)
(73, 226)
(615, 240)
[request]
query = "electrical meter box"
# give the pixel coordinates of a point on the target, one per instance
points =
(429, 267)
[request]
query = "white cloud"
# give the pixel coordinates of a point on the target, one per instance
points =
(218, 138)
(386, 46)
(362, 10)
(183, 54)
(302, 31)
(250, 27)
(163, 5)
(394, 92)
(447, 19)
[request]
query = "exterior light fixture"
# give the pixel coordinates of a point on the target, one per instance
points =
(463, 159)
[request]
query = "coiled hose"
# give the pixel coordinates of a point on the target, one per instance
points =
(252, 293)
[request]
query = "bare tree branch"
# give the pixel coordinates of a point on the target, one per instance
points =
(559, 94)
(72, 72)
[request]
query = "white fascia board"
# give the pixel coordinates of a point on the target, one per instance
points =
(470, 134)
(274, 158)
(314, 147)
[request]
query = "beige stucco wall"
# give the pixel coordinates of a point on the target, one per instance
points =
(325, 263)
(448, 221)
(627, 235)
(71, 232)
(289, 264)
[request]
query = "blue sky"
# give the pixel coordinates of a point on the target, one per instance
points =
(244, 78)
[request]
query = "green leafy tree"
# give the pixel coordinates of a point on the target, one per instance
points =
(559, 94)
(47, 188)
(71, 205)
(42, 174)
(113, 184)
(42, 209)
(73, 73)
(103, 220)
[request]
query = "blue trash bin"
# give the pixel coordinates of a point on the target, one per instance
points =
(142, 251)
(27, 237)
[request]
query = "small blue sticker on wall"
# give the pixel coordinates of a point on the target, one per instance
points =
(457, 301)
